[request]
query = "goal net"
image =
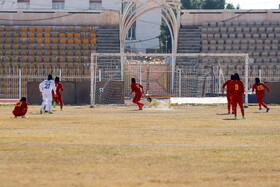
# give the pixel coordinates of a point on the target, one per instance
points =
(169, 75)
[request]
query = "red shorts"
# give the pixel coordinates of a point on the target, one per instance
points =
(137, 97)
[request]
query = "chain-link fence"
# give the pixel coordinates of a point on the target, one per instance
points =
(194, 77)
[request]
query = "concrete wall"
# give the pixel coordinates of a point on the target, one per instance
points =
(272, 97)
(61, 17)
(200, 17)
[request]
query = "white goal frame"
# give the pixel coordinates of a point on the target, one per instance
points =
(94, 56)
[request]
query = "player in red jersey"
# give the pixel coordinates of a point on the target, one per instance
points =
(138, 89)
(237, 89)
(229, 94)
(21, 108)
(260, 87)
(58, 98)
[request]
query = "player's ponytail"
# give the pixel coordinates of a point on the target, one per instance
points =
(23, 99)
(236, 76)
(50, 77)
(257, 80)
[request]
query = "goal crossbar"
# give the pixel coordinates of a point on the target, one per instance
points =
(245, 55)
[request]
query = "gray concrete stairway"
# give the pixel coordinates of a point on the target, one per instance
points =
(189, 39)
(108, 39)
(108, 42)
(189, 42)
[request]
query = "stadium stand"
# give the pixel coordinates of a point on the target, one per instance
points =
(30, 40)
(37, 48)
(254, 32)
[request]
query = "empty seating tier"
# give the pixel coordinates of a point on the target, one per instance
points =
(38, 50)
(242, 37)
(23, 44)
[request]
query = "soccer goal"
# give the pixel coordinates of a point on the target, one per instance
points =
(169, 75)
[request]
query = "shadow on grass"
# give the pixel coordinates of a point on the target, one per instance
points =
(229, 119)
(136, 110)
(223, 114)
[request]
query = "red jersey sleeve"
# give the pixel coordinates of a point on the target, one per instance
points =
(242, 87)
(132, 86)
(225, 84)
(254, 88)
(142, 88)
(266, 87)
(59, 87)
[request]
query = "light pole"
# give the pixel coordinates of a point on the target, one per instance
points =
(166, 44)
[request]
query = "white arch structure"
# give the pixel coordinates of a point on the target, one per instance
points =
(172, 19)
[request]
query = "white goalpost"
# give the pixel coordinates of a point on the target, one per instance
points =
(170, 75)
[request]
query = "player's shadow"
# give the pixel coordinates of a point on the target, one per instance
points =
(229, 119)
(224, 114)
(34, 113)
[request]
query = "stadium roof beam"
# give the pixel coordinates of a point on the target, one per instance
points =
(172, 19)
(129, 16)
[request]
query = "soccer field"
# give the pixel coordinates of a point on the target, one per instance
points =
(121, 146)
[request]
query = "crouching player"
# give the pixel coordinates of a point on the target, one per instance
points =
(154, 103)
(21, 108)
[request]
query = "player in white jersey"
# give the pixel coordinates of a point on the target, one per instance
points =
(46, 88)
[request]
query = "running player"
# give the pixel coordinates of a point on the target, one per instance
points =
(21, 108)
(138, 89)
(229, 94)
(237, 89)
(58, 98)
(260, 87)
(46, 88)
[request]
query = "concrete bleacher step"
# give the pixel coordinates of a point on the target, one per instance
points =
(189, 39)
(183, 41)
(108, 39)
(190, 47)
(108, 27)
(107, 50)
(107, 44)
(109, 34)
(103, 42)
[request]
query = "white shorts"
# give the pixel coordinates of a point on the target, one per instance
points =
(47, 97)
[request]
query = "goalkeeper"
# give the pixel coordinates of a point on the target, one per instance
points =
(153, 103)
